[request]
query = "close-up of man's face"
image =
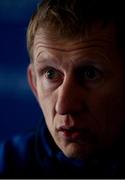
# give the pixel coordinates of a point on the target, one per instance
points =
(79, 85)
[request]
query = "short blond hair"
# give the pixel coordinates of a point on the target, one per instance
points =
(69, 18)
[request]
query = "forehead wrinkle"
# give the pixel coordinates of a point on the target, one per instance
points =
(74, 42)
(92, 45)
(46, 57)
(94, 57)
(43, 44)
(69, 50)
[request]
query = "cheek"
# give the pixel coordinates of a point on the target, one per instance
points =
(47, 107)
(47, 104)
(109, 112)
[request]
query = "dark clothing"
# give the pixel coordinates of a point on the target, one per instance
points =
(36, 156)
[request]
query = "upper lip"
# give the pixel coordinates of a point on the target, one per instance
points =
(66, 128)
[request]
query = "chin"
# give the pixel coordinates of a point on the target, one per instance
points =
(77, 151)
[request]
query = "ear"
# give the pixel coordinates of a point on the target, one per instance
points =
(32, 79)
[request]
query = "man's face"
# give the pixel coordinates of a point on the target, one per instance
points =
(79, 85)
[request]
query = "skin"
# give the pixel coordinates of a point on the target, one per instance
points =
(79, 85)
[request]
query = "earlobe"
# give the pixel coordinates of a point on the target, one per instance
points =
(32, 79)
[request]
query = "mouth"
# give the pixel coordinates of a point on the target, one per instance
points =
(73, 134)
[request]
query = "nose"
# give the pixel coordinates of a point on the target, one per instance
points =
(70, 98)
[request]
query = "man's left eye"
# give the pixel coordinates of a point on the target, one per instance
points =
(91, 73)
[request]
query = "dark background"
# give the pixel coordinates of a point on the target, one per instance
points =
(19, 110)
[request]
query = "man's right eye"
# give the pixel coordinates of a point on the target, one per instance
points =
(51, 74)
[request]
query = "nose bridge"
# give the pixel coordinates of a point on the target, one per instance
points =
(68, 90)
(68, 97)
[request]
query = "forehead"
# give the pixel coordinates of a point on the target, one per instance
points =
(94, 37)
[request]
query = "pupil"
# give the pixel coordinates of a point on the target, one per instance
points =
(50, 74)
(90, 73)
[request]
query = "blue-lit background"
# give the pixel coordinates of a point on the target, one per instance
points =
(19, 110)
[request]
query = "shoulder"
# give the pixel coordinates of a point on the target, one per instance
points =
(18, 154)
